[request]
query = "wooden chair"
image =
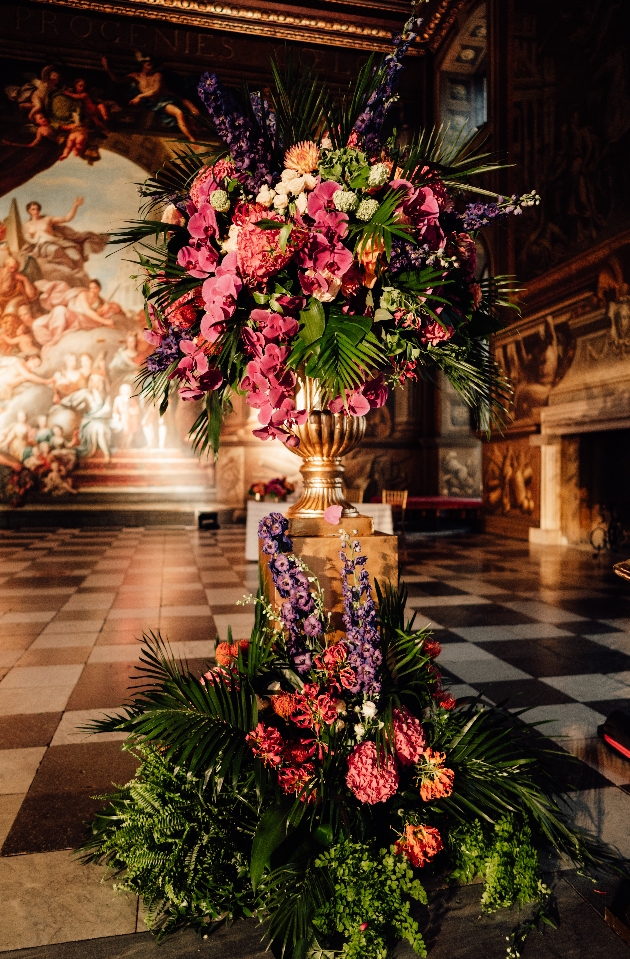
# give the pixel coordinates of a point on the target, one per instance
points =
(354, 494)
(397, 499)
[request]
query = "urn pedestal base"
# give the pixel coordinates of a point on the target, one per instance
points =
(321, 555)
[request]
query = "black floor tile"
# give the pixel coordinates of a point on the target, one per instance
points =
(60, 799)
(561, 656)
(517, 693)
(486, 614)
(588, 627)
(603, 608)
(606, 706)
(433, 589)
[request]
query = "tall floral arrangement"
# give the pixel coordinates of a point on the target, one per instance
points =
(316, 246)
(313, 778)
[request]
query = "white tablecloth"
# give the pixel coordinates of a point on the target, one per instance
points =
(381, 513)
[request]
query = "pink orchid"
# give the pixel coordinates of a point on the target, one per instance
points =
(321, 196)
(254, 341)
(203, 224)
(332, 514)
(375, 391)
(333, 222)
(356, 404)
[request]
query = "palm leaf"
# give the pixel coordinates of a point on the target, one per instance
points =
(299, 102)
(202, 725)
(342, 112)
(289, 897)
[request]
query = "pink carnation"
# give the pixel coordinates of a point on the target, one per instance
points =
(409, 738)
(258, 251)
(371, 781)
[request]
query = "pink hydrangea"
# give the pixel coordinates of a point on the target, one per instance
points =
(370, 779)
(409, 740)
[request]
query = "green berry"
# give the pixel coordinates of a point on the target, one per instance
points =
(367, 209)
(220, 201)
(345, 200)
(378, 175)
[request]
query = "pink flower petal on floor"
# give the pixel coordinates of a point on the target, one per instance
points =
(333, 514)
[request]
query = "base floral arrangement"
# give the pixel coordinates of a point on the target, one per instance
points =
(276, 489)
(320, 780)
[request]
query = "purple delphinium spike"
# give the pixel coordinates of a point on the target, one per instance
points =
(369, 123)
(163, 355)
(361, 622)
(247, 147)
(298, 612)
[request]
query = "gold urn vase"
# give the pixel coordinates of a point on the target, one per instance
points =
(324, 439)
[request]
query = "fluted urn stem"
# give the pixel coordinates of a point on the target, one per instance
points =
(324, 439)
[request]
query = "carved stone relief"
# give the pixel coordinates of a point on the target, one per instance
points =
(511, 479)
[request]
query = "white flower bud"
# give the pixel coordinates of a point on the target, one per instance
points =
(229, 245)
(220, 201)
(282, 188)
(265, 196)
(301, 203)
(296, 185)
(367, 209)
(288, 175)
(281, 201)
(359, 731)
(310, 181)
(368, 709)
(326, 143)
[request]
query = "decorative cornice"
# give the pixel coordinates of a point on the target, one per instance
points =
(274, 20)
(289, 22)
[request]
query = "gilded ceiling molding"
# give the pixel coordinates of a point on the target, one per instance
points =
(236, 19)
(441, 22)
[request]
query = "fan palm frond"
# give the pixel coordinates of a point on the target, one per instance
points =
(203, 724)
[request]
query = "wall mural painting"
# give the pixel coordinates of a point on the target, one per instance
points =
(535, 363)
(70, 328)
(53, 112)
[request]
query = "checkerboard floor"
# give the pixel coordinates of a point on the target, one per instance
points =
(547, 628)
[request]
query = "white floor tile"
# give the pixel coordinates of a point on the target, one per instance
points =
(25, 677)
(589, 687)
(18, 768)
(570, 720)
(68, 731)
(487, 634)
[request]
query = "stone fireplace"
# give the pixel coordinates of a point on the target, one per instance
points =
(565, 456)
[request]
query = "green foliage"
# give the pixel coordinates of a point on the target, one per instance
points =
(288, 898)
(372, 888)
(203, 724)
(504, 856)
(167, 840)
(469, 849)
(342, 356)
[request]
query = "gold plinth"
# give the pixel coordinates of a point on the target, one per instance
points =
(324, 439)
(321, 555)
